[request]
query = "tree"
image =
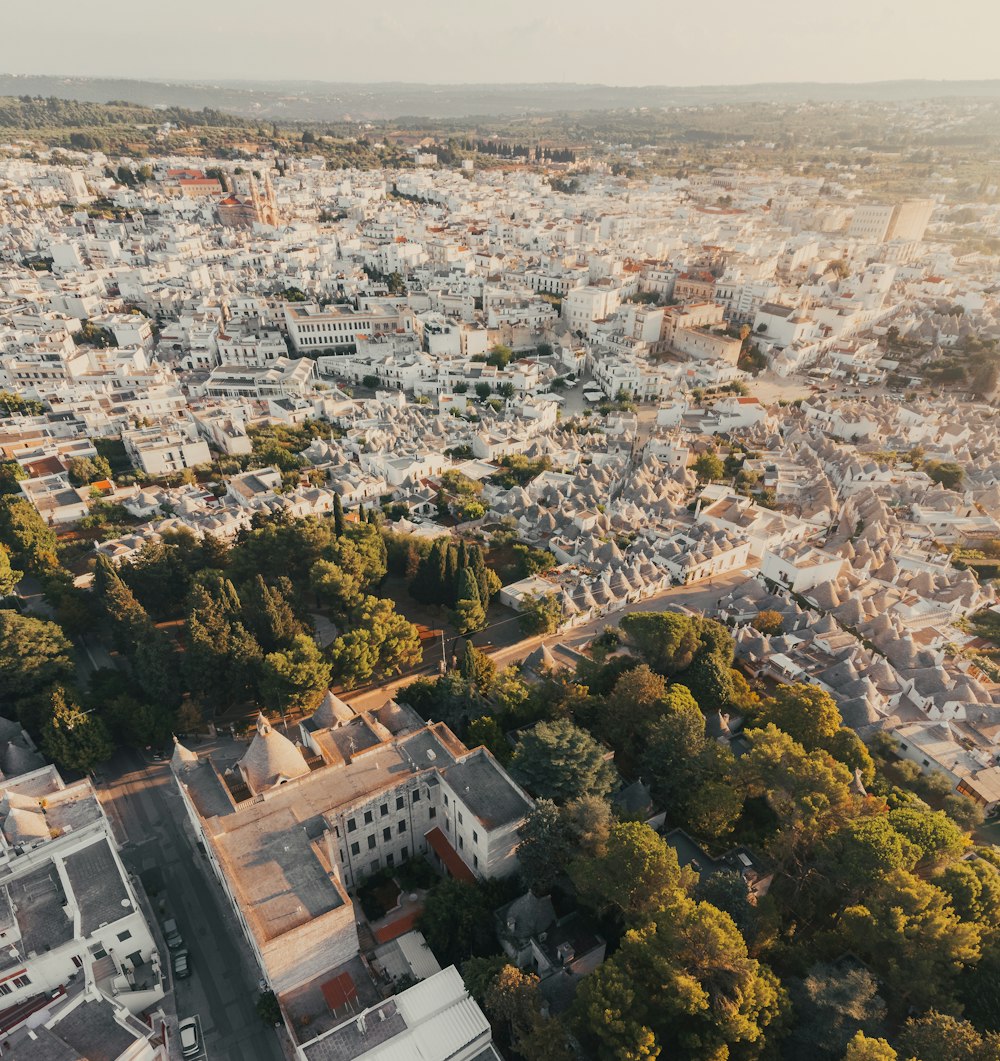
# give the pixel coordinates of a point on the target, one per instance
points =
(457, 921)
(863, 852)
(335, 588)
(936, 836)
(380, 642)
(483, 390)
(541, 614)
(805, 712)
(974, 891)
(11, 477)
(636, 702)
(477, 668)
(637, 874)
(470, 612)
(683, 985)
(667, 641)
(34, 655)
(942, 1037)
(832, 1003)
(709, 467)
(544, 847)
(73, 739)
(910, 935)
(130, 623)
(268, 614)
(338, 516)
(222, 657)
(486, 731)
(296, 677)
(268, 1008)
(768, 621)
(559, 761)
(946, 473)
(24, 533)
(862, 1048)
(9, 576)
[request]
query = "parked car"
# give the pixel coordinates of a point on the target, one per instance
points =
(172, 935)
(190, 1037)
(182, 964)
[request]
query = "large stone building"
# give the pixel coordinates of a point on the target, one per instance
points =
(290, 827)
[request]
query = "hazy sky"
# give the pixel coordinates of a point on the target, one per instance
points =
(642, 42)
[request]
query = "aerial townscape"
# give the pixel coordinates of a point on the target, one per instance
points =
(517, 582)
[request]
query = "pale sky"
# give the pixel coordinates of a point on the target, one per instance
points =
(642, 42)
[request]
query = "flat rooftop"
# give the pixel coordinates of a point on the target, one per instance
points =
(486, 792)
(41, 914)
(97, 886)
(280, 877)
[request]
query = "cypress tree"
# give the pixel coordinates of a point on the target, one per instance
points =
(338, 516)
(451, 576)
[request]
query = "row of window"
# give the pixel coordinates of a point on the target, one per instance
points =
(369, 816)
(18, 981)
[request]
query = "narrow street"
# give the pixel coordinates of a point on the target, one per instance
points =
(143, 804)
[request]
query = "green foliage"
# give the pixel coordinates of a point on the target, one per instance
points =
(709, 467)
(268, 1009)
(908, 932)
(34, 655)
(295, 678)
(380, 642)
(457, 921)
(863, 1048)
(938, 1036)
(711, 997)
(635, 873)
(946, 473)
(541, 613)
(518, 470)
(559, 761)
(23, 532)
(9, 576)
(72, 739)
(531, 561)
(832, 1004)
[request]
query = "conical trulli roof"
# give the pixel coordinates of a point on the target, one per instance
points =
(270, 759)
(182, 757)
(332, 711)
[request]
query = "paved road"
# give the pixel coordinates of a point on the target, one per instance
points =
(144, 804)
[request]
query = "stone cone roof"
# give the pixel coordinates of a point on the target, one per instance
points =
(332, 712)
(270, 759)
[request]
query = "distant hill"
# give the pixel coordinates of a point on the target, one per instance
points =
(320, 101)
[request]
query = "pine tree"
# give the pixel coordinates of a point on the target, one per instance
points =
(129, 621)
(452, 574)
(469, 612)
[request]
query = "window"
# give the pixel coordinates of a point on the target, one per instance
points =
(371, 843)
(475, 862)
(352, 825)
(122, 936)
(416, 795)
(341, 854)
(927, 762)
(374, 865)
(387, 834)
(460, 818)
(389, 860)
(401, 828)
(22, 981)
(368, 817)
(336, 830)
(355, 849)
(400, 803)
(902, 747)
(5, 989)
(384, 809)
(446, 799)
(432, 812)
(475, 837)
(461, 842)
